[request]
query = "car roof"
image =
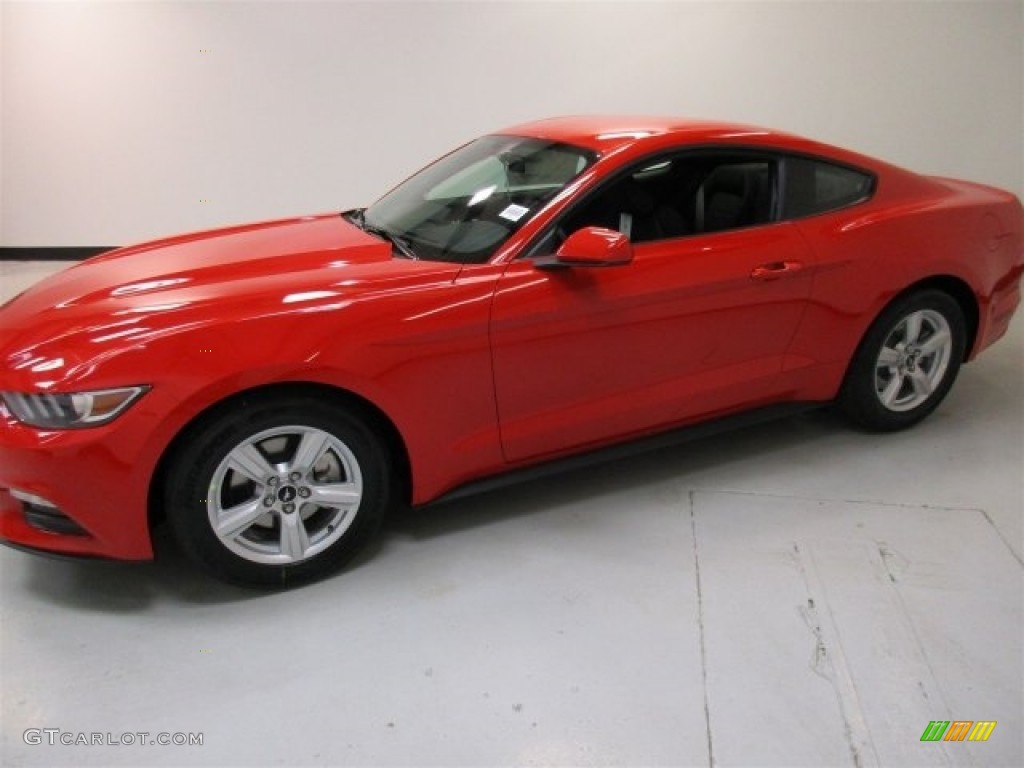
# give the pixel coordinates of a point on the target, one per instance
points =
(609, 133)
(602, 132)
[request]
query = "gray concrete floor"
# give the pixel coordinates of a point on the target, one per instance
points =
(796, 594)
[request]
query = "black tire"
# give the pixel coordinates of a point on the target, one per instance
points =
(884, 394)
(294, 539)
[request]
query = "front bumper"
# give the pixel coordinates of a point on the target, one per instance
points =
(89, 476)
(50, 554)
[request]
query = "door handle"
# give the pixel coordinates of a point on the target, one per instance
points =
(775, 269)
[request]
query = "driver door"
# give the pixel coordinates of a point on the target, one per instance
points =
(696, 326)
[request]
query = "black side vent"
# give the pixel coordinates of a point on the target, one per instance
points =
(51, 520)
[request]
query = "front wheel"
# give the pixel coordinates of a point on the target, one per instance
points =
(906, 363)
(278, 493)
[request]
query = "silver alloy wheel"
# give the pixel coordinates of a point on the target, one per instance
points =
(284, 495)
(913, 360)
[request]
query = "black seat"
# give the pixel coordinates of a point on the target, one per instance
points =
(651, 218)
(637, 209)
(733, 196)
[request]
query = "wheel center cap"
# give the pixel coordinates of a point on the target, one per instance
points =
(286, 493)
(913, 354)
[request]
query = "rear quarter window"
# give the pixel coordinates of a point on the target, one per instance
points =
(816, 186)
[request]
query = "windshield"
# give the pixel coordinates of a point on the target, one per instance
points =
(464, 206)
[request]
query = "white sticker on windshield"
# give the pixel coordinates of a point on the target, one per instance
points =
(514, 212)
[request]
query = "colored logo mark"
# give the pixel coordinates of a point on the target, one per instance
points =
(958, 730)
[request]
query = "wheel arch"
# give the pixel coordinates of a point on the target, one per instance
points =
(956, 288)
(959, 291)
(860, 401)
(375, 417)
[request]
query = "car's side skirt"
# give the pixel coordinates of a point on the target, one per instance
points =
(627, 449)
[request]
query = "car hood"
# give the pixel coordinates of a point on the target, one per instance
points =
(221, 257)
(201, 279)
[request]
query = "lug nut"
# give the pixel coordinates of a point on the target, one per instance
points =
(268, 501)
(304, 492)
(272, 482)
(295, 476)
(288, 508)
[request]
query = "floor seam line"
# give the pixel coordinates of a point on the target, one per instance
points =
(876, 503)
(1002, 538)
(865, 502)
(859, 739)
(700, 623)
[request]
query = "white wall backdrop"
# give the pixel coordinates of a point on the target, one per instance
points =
(124, 121)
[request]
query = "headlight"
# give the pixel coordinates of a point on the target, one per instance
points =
(67, 411)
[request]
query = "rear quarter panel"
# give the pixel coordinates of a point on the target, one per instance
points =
(913, 230)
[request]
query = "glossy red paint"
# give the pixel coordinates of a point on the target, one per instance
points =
(480, 368)
(595, 247)
(644, 345)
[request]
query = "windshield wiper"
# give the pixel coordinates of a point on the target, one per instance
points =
(399, 242)
(358, 217)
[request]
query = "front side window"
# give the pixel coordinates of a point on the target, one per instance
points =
(815, 186)
(464, 206)
(675, 196)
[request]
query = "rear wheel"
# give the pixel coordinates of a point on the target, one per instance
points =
(280, 493)
(906, 363)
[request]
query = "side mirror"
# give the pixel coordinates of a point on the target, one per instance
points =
(590, 247)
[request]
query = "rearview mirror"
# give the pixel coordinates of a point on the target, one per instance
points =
(590, 247)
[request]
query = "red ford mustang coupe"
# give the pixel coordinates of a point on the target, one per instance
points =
(552, 290)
